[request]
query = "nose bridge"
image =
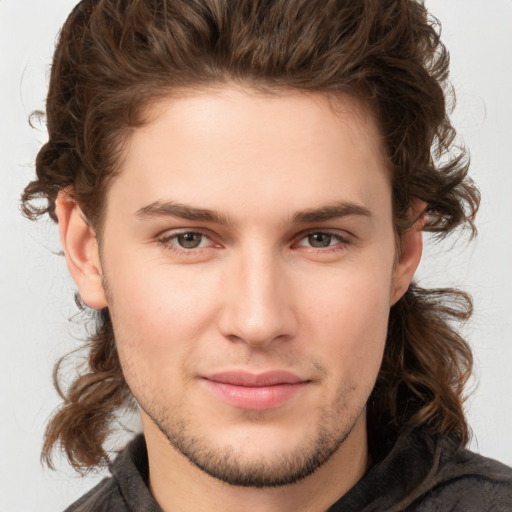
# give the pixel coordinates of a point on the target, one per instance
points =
(258, 301)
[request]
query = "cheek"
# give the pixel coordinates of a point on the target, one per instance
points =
(158, 314)
(351, 317)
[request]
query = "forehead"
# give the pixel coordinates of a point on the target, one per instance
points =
(240, 150)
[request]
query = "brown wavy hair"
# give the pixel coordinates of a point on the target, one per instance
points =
(115, 57)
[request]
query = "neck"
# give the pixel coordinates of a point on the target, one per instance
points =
(177, 484)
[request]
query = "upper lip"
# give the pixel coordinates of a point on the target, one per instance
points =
(248, 379)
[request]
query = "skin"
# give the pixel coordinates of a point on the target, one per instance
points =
(293, 267)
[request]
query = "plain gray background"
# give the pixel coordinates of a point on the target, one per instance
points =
(36, 294)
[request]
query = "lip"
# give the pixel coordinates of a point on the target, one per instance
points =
(259, 392)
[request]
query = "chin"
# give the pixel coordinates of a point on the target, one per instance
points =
(252, 453)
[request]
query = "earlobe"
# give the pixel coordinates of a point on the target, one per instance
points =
(81, 250)
(410, 254)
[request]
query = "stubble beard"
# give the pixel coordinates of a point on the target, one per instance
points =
(227, 463)
(231, 465)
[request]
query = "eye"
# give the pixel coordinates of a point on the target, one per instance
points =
(185, 241)
(189, 240)
(322, 240)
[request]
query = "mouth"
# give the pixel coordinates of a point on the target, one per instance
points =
(257, 392)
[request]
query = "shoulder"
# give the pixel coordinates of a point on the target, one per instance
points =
(468, 482)
(104, 497)
(126, 490)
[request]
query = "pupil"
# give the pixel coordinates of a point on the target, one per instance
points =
(320, 240)
(189, 240)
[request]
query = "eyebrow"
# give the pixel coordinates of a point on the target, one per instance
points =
(330, 212)
(183, 211)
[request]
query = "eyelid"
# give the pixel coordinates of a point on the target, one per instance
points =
(342, 235)
(341, 242)
(165, 239)
(173, 232)
(169, 235)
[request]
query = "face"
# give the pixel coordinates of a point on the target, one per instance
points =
(248, 257)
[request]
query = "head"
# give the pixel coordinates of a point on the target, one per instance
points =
(216, 112)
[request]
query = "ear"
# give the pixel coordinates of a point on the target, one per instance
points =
(411, 246)
(81, 250)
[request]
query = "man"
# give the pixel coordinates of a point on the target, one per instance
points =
(241, 188)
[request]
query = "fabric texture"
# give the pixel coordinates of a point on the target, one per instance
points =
(417, 475)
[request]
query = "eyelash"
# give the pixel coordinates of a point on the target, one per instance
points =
(341, 244)
(166, 242)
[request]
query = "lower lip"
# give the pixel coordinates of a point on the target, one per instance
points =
(258, 398)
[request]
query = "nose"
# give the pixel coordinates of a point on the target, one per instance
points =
(258, 301)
